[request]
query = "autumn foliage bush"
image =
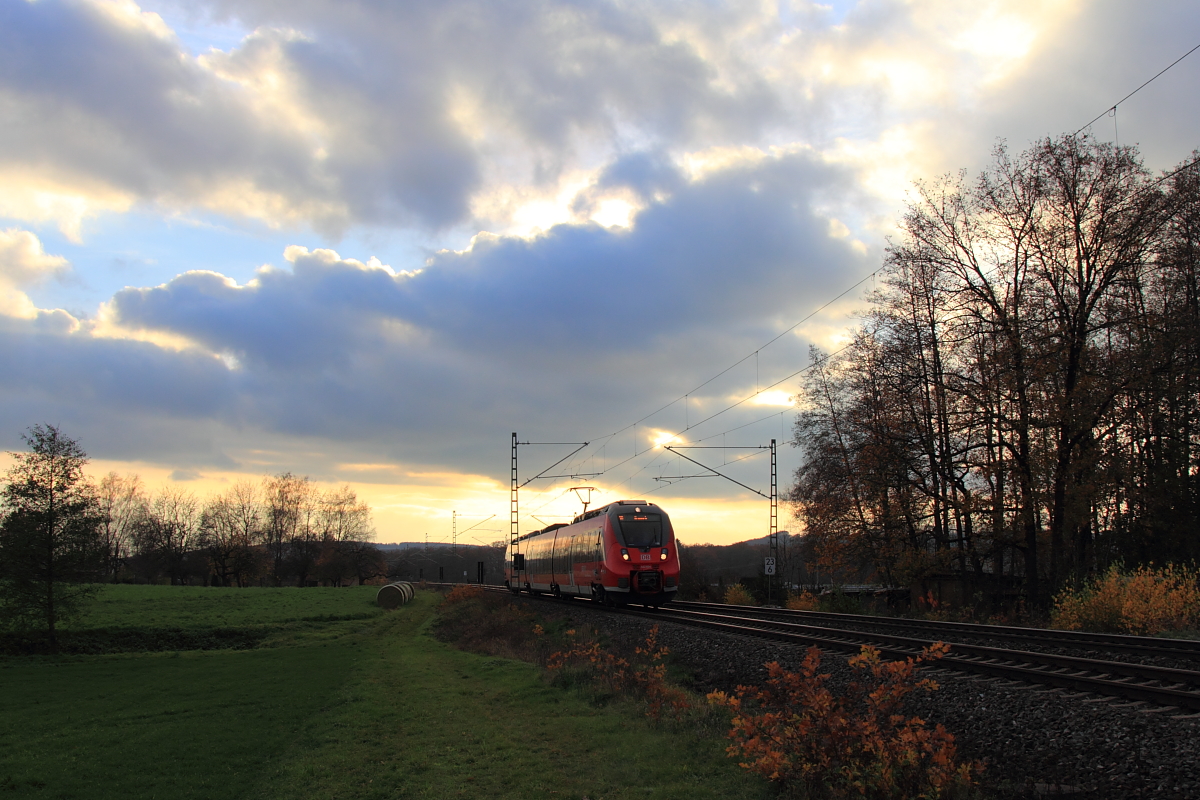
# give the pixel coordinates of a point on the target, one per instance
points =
(854, 744)
(463, 592)
(1144, 601)
(643, 676)
(738, 595)
(804, 601)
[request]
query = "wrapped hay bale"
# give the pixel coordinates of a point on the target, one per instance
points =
(395, 594)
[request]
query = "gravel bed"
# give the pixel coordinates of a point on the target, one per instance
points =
(1035, 741)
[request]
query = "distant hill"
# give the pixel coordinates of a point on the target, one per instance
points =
(421, 545)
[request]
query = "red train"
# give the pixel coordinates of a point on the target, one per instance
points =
(624, 552)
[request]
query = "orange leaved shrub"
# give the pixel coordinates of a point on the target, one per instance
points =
(805, 601)
(643, 677)
(463, 592)
(738, 595)
(1144, 602)
(858, 744)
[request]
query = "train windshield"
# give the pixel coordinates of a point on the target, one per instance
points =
(641, 530)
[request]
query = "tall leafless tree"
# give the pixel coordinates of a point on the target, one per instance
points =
(123, 502)
(1033, 343)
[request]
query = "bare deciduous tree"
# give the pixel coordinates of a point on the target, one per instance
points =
(1014, 365)
(122, 502)
(169, 531)
(231, 530)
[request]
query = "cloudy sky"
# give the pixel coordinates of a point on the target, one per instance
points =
(367, 241)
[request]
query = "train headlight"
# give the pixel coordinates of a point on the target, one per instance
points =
(624, 554)
(663, 555)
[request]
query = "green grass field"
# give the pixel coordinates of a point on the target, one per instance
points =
(121, 606)
(340, 700)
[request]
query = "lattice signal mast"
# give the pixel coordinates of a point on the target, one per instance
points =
(773, 497)
(515, 487)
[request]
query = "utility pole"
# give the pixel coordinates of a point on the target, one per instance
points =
(773, 497)
(454, 532)
(514, 487)
(774, 518)
(513, 527)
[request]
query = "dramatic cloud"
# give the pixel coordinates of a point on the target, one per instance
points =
(537, 316)
(481, 217)
(338, 115)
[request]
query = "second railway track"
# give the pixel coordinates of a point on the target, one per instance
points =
(1165, 687)
(1162, 686)
(1183, 650)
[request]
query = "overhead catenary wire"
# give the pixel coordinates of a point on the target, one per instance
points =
(689, 425)
(1113, 107)
(759, 389)
(753, 354)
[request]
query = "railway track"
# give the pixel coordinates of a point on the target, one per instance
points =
(1039, 738)
(1167, 688)
(1141, 646)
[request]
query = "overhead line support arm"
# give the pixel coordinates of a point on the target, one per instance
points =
(716, 472)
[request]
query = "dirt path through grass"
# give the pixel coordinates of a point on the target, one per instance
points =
(422, 720)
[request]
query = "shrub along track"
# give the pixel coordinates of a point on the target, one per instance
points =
(1039, 741)
(1167, 687)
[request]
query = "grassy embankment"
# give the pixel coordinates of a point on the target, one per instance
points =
(337, 699)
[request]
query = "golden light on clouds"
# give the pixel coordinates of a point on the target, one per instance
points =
(661, 438)
(526, 211)
(700, 163)
(773, 397)
(614, 212)
(32, 197)
(129, 14)
(888, 164)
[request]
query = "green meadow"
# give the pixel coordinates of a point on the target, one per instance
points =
(337, 699)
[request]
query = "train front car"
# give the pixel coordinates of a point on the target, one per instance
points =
(641, 563)
(619, 554)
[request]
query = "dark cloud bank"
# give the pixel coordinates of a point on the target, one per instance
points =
(573, 332)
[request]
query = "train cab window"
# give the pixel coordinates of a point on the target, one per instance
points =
(641, 530)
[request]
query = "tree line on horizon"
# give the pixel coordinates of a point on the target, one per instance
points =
(282, 530)
(1020, 404)
(61, 535)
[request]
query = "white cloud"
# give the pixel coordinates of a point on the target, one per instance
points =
(24, 263)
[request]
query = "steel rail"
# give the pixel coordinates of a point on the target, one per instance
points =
(1068, 672)
(1138, 645)
(1092, 676)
